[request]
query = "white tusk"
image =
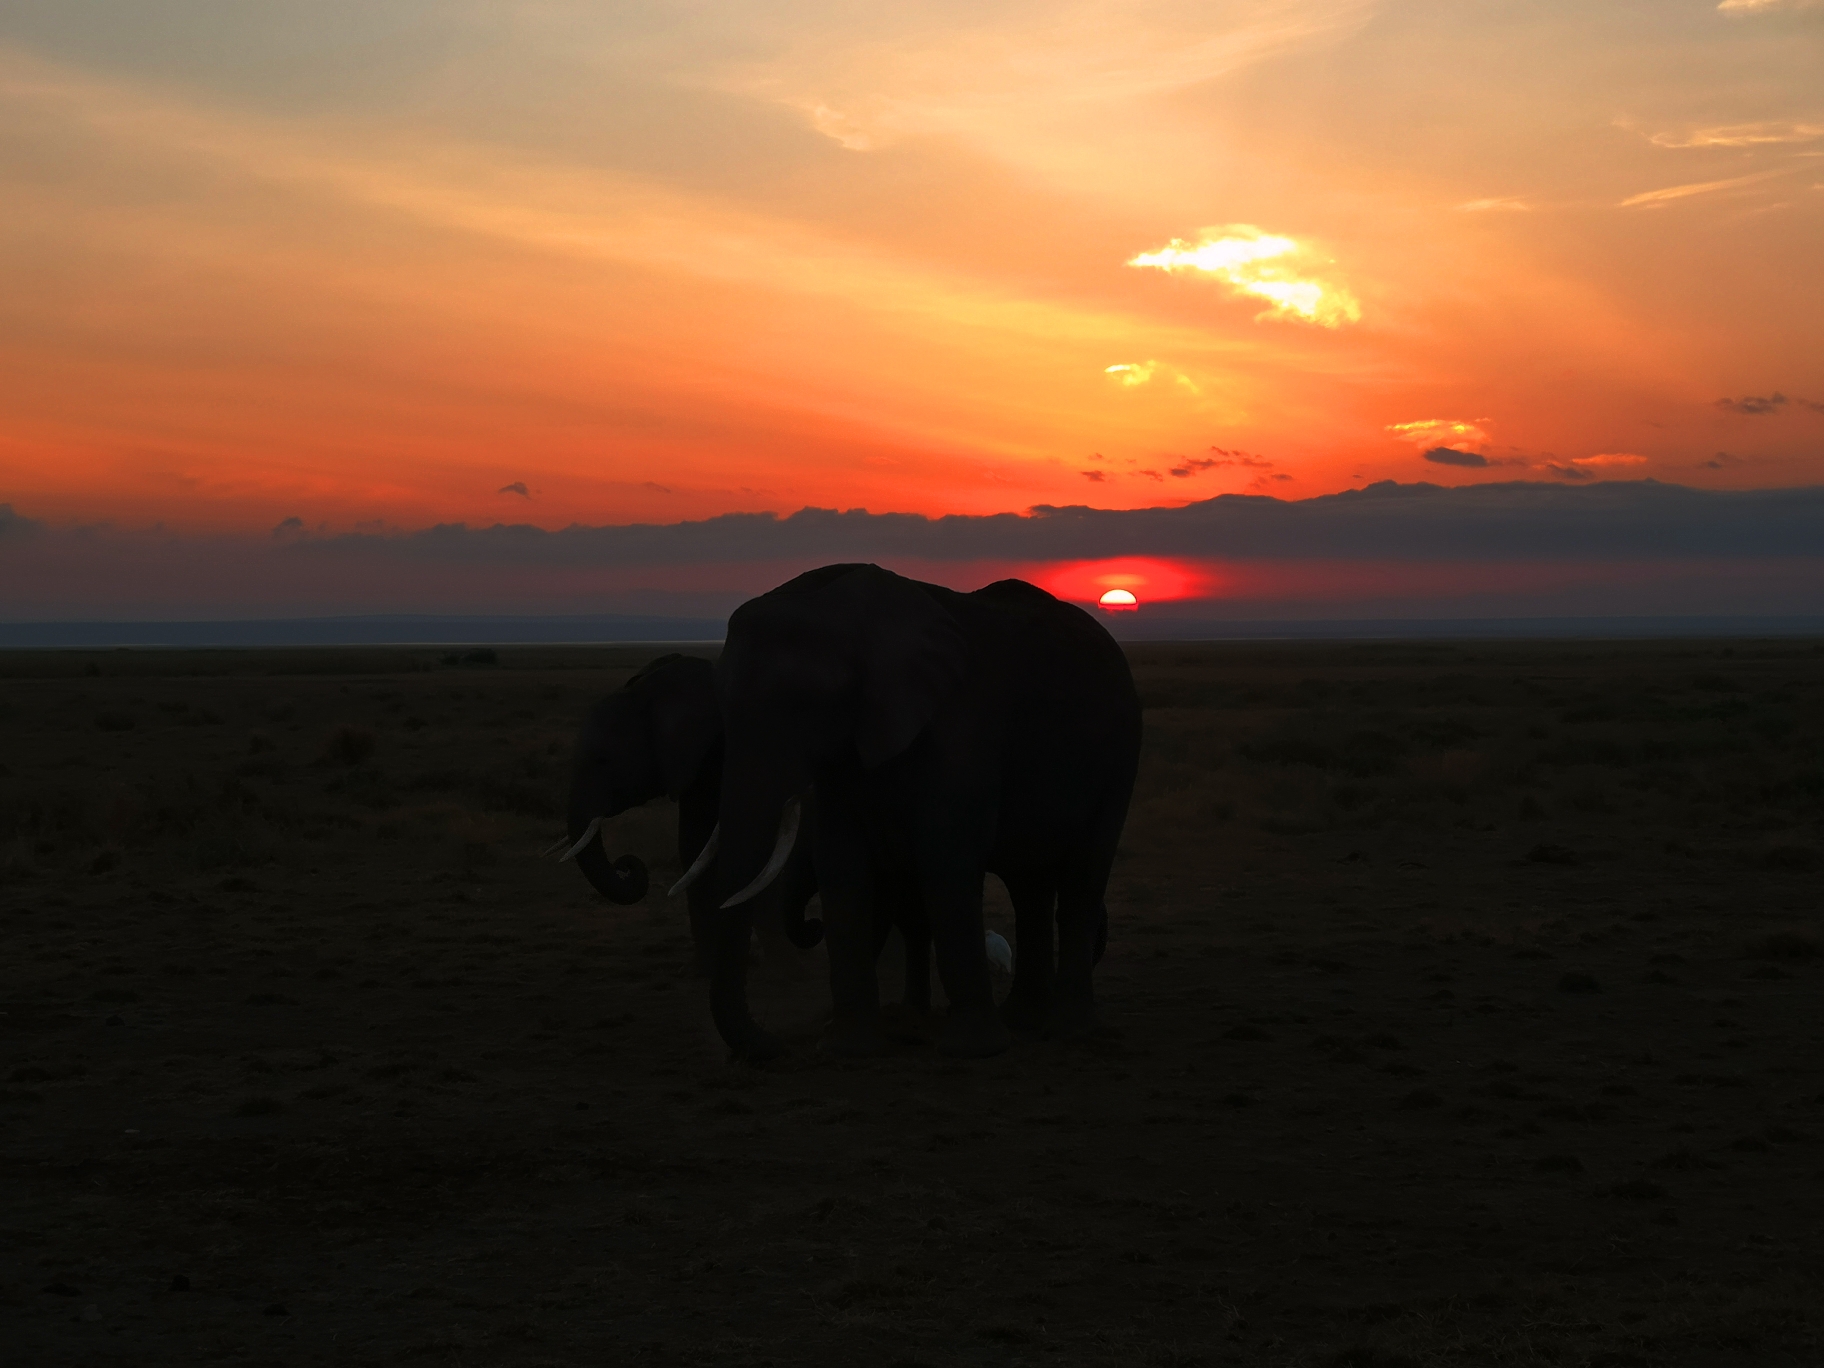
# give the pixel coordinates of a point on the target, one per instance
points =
(560, 843)
(700, 864)
(589, 834)
(782, 851)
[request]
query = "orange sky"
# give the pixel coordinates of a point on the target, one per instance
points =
(374, 263)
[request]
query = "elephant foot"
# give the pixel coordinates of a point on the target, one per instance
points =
(856, 1040)
(906, 1023)
(756, 1046)
(974, 1035)
(1023, 1011)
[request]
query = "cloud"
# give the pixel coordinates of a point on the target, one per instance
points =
(1451, 456)
(1508, 204)
(1568, 529)
(1654, 199)
(1460, 433)
(1267, 266)
(1721, 461)
(288, 528)
(1222, 458)
(1746, 7)
(517, 487)
(1131, 373)
(1588, 467)
(13, 527)
(1741, 135)
(1754, 405)
(1094, 475)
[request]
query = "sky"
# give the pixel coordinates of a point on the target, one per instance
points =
(363, 268)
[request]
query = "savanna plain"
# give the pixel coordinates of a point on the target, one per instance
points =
(1461, 1006)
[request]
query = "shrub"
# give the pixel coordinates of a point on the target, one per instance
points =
(345, 745)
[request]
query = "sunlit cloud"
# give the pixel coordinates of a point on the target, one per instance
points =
(1653, 199)
(1510, 204)
(1745, 7)
(1131, 373)
(1607, 459)
(1456, 433)
(1265, 265)
(1741, 135)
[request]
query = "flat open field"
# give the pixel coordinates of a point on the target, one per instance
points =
(1462, 1006)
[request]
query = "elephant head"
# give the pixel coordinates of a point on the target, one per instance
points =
(845, 662)
(652, 736)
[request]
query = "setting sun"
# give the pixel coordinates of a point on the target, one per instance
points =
(1119, 600)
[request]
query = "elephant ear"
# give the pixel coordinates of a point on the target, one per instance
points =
(686, 723)
(914, 656)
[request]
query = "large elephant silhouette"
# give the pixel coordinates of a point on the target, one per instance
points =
(943, 736)
(661, 734)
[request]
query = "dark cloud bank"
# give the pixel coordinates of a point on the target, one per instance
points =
(1492, 551)
(1511, 521)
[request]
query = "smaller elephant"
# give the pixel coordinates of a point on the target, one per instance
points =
(660, 733)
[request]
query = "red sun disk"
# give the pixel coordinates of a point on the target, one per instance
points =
(1146, 579)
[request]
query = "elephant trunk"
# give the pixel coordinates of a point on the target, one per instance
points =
(622, 881)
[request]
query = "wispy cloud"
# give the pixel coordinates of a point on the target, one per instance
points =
(1763, 405)
(1754, 405)
(1509, 204)
(1653, 199)
(1746, 7)
(1741, 135)
(1033, 84)
(1219, 459)
(1268, 266)
(517, 487)
(1589, 467)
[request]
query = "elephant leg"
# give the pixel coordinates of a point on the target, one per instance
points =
(728, 990)
(1083, 925)
(850, 926)
(1029, 999)
(1072, 1010)
(954, 905)
(917, 936)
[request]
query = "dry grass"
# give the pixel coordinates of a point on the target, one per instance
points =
(1460, 1006)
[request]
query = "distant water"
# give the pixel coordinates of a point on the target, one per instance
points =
(508, 631)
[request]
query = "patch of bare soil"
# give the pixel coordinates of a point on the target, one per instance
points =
(1461, 1007)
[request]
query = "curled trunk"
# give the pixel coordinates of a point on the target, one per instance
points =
(621, 881)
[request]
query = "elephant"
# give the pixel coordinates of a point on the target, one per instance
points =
(661, 733)
(942, 736)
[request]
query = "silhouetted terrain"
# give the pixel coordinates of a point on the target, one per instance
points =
(1462, 1006)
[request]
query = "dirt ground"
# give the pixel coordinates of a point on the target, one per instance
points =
(1461, 1007)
